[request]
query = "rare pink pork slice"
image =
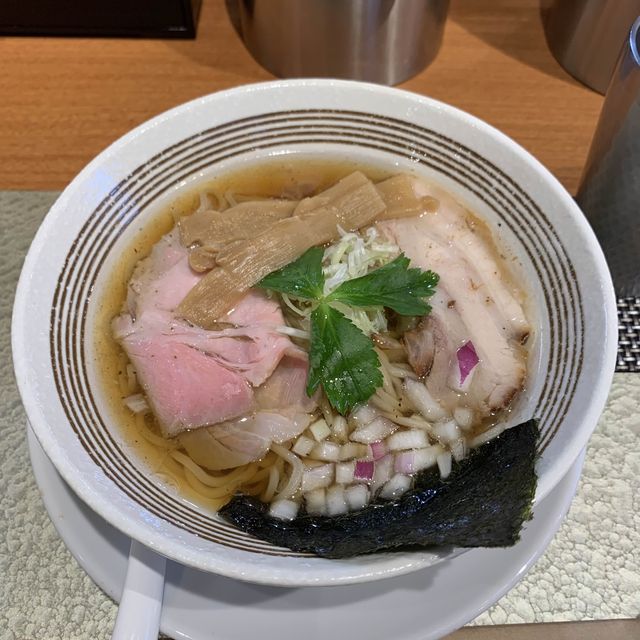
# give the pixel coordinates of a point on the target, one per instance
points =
(194, 377)
(185, 387)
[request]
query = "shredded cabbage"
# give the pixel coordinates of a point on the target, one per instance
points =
(353, 256)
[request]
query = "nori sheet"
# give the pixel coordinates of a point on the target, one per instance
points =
(483, 503)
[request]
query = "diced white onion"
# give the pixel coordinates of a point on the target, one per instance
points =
(363, 415)
(327, 451)
(353, 450)
(377, 429)
(292, 331)
(317, 477)
(284, 509)
(463, 417)
(344, 472)
(383, 471)
(136, 403)
(447, 431)
(444, 464)
(340, 429)
(315, 502)
(489, 434)
(459, 450)
(320, 430)
(409, 462)
(412, 439)
(357, 497)
(398, 485)
(336, 503)
(303, 446)
(422, 400)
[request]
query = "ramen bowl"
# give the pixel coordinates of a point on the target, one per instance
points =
(553, 252)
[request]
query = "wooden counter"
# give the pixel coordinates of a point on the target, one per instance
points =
(64, 100)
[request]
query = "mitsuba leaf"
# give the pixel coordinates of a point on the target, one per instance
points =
(302, 278)
(394, 285)
(342, 359)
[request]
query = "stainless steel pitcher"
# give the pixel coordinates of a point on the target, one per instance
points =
(585, 36)
(384, 41)
(609, 192)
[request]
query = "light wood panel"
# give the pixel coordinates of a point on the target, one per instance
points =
(64, 100)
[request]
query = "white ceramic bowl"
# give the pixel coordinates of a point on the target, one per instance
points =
(78, 244)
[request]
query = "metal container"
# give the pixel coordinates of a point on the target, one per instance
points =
(384, 41)
(585, 36)
(609, 192)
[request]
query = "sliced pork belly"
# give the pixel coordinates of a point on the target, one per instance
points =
(462, 312)
(194, 377)
(454, 227)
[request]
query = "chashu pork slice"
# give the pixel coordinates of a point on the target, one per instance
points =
(194, 377)
(462, 312)
(454, 227)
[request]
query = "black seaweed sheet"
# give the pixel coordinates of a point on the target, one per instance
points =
(483, 503)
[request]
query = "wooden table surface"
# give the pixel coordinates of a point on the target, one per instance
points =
(62, 100)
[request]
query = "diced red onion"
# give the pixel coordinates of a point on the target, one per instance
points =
(467, 360)
(364, 470)
(378, 449)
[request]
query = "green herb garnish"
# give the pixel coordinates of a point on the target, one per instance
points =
(342, 358)
(394, 286)
(302, 278)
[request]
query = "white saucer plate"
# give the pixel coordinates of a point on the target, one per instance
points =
(423, 605)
